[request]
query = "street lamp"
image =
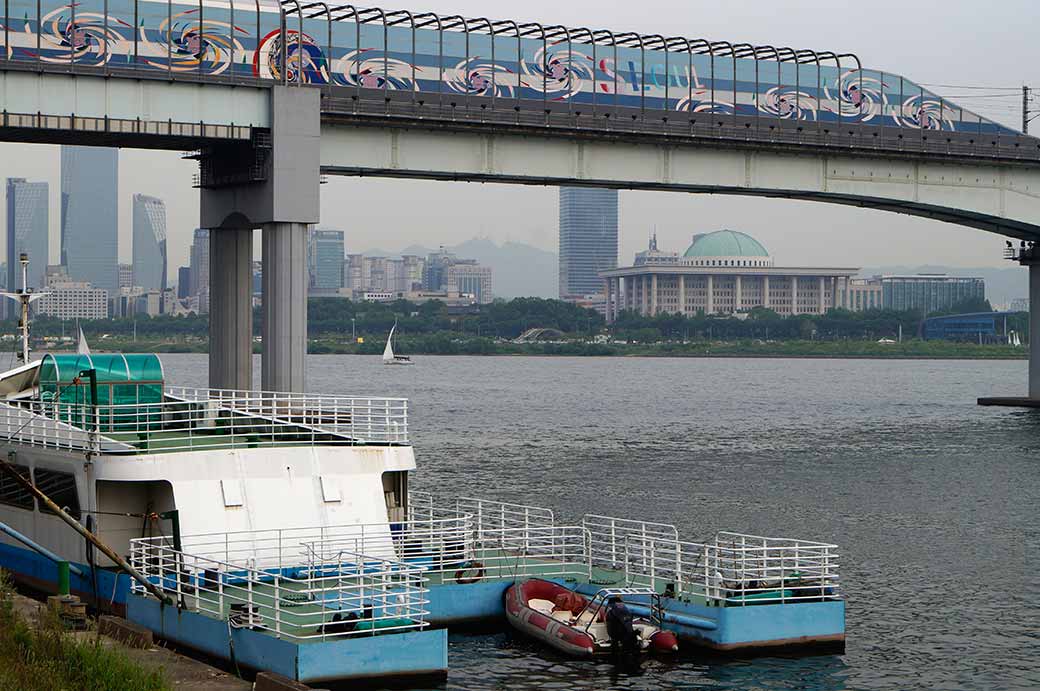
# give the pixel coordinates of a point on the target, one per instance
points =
(353, 331)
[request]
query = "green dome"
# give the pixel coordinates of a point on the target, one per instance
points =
(725, 243)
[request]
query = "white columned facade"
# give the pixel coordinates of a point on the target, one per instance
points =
(645, 297)
(653, 295)
(711, 295)
(765, 292)
(794, 295)
(821, 283)
(738, 296)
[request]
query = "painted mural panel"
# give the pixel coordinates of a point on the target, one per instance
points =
(351, 47)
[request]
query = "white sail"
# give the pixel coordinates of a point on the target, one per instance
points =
(388, 352)
(82, 348)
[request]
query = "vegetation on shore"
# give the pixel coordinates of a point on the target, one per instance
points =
(42, 656)
(342, 326)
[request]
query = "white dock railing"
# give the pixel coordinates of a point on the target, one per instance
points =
(610, 547)
(336, 594)
(735, 569)
(202, 419)
(497, 515)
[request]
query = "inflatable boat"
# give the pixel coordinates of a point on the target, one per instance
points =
(583, 627)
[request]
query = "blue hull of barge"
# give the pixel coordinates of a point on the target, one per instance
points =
(753, 626)
(389, 656)
(41, 573)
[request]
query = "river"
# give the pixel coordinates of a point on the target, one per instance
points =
(933, 500)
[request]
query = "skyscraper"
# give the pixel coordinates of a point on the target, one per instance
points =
(149, 242)
(325, 260)
(588, 238)
(27, 230)
(199, 260)
(89, 215)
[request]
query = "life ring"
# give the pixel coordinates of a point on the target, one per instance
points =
(475, 568)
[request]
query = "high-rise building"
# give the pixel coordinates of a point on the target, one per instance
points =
(588, 239)
(27, 230)
(471, 279)
(199, 261)
(126, 276)
(929, 292)
(89, 215)
(149, 243)
(435, 272)
(325, 260)
(183, 282)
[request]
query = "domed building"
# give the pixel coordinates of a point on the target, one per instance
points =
(723, 272)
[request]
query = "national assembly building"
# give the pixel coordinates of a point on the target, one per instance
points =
(724, 272)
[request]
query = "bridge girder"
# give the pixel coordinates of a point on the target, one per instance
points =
(1002, 198)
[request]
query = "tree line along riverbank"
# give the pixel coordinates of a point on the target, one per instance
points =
(338, 325)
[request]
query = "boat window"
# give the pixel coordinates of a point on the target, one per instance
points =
(61, 488)
(13, 493)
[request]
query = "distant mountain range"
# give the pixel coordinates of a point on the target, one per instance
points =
(518, 270)
(1002, 285)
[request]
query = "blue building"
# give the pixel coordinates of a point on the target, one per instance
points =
(588, 239)
(987, 327)
(27, 231)
(90, 215)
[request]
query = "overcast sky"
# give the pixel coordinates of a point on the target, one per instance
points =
(957, 42)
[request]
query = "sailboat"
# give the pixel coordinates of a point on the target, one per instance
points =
(388, 353)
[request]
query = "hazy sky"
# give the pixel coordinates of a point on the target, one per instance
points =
(956, 42)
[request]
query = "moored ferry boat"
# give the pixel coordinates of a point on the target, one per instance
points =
(142, 464)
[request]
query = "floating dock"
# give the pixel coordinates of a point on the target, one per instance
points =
(276, 600)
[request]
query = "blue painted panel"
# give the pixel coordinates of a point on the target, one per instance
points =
(411, 653)
(358, 657)
(43, 572)
(472, 602)
(781, 622)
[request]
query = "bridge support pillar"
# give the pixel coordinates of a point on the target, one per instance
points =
(1034, 331)
(231, 309)
(1030, 258)
(285, 306)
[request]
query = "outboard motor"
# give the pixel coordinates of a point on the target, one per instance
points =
(624, 641)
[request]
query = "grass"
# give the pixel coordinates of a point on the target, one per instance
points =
(44, 657)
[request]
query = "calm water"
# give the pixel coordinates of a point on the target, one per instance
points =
(933, 500)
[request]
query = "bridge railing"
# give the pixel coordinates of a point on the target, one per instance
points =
(475, 67)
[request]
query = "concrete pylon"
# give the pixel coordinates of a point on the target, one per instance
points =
(1034, 331)
(285, 306)
(231, 309)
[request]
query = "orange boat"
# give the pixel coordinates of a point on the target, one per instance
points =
(582, 627)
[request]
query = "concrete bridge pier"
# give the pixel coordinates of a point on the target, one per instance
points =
(1031, 259)
(271, 183)
(231, 309)
(285, 306)
(1034, 331)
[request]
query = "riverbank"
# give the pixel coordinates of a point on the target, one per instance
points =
(36, 652)
(447, 345)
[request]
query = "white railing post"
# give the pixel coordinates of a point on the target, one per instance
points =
(278, 606)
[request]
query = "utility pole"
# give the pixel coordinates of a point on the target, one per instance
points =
(1025, 110)
(1028, 114)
